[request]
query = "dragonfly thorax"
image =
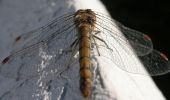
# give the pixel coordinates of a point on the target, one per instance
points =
(85, 18)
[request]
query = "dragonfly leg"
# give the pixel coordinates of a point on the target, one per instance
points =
(74, 43)
(96, 45)
(73, 49)
(96, 32)
(102, 41)
(71, 46)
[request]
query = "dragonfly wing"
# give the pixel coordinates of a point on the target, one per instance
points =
(38, 68)
(155, 63)
(140, 42)
(117, 49)
(40, 76)
(112, 51)
(53, 50)
(52, 29)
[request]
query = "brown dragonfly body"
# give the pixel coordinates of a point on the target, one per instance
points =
(85, 23)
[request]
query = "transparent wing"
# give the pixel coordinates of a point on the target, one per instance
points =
(138, 40)
(44, 33)
(38, 73)
(118, 48)
(155, 63)
(44, 54)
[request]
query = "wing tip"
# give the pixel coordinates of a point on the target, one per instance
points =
(18, 38)
(5, 60)
(147, 38)
(164, 57)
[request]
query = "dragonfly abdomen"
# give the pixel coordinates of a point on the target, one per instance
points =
(85, 63)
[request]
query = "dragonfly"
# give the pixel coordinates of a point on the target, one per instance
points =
(84, 32)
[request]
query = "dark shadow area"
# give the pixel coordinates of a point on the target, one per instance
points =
(150, 17)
